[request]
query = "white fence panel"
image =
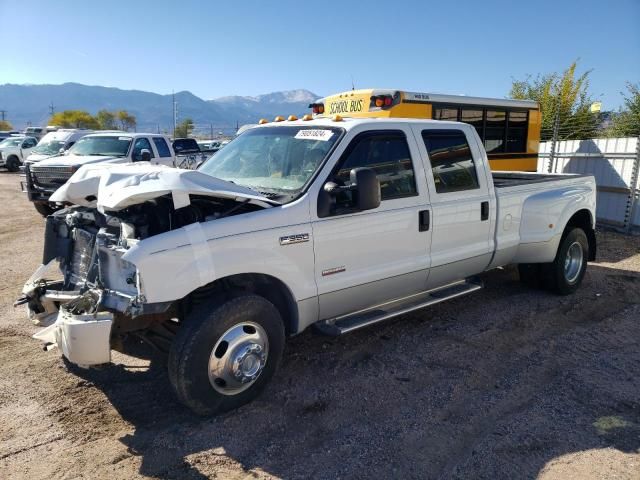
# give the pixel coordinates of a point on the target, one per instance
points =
(611, 161)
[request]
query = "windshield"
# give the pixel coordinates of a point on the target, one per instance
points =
(50, 148)
(106, 146)
(276, 160)
(11, 142)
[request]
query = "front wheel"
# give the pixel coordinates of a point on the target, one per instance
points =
(13, 164)
(44, 209)
(567, 270)
(223, 356)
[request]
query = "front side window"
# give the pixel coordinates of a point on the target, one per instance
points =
(452, 163)
(106, 146)
(29, 143)
(387, 153)
(277, 161)
(161, 145)
(140, 144)
(10, 142)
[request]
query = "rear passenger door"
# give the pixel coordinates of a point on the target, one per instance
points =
(364, 258)
(461, 240)
(164, 152)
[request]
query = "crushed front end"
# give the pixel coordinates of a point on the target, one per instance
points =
(94, 287)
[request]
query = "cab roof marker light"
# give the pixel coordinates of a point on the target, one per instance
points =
(263, 121)
(292, 118)
(279, 118)
(307, 117)
(337, 118)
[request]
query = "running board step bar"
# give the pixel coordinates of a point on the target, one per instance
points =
(364, 318)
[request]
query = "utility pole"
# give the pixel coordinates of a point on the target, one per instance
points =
(52, 109)
(175, 114)
(3, 113)
(211, 127)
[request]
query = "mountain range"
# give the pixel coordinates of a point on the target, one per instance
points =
(31, 104)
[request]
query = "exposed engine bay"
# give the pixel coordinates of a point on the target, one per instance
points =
(95, 284)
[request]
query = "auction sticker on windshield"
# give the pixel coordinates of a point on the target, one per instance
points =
(322, 135)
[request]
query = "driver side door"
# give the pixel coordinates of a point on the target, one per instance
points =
(364, 258)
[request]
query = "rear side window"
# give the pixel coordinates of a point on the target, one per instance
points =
(388, 154)
(162, 147)
(452, 164)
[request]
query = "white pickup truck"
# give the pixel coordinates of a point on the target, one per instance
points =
(14, 150)
(44, 177)
(337, 223)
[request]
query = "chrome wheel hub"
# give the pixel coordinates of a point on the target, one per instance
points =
(573, 262)
(238, 358)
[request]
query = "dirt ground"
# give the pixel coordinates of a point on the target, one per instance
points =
(505, 383)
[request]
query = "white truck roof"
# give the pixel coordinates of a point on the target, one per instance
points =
(348, 123)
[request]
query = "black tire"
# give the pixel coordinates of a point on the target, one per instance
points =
(44, 209)
(530, 274)
(13, 163)
(193, 346)
(556, 277)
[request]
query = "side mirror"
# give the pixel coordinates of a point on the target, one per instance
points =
(61, 151)
(364, 187)
(145, 155)
(366, 194)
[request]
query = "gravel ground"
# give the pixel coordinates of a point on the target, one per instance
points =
(505, 383)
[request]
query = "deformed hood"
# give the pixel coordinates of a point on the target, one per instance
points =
(115, 187)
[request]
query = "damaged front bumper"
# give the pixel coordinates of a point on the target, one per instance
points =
(82, 333)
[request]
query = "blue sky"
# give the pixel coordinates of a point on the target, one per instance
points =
(216, 48)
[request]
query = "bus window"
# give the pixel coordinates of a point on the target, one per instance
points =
(450, 114)
(494, 131)
(475, 118)
(517, 132)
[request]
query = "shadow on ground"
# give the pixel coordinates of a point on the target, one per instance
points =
(494, 385)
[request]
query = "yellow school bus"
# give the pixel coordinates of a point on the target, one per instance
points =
(509, 129)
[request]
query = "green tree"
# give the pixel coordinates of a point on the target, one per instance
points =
(127, 121)
(184, 128)
(106, 120)
(74, 119)
(626, 123)
(564, 94)
(4, 125)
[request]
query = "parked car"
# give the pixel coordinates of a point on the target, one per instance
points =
(9, 133)
(209, 147)
(14, 150)
(337, 223)
(56, 143)
(37, 132)
(46, 176)
(188, 153)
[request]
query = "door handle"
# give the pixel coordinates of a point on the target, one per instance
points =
(424, 220)
(484, 211)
